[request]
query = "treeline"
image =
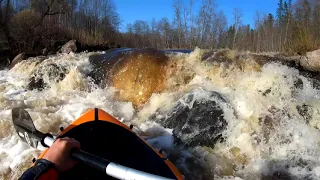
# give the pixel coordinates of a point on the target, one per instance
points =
(294, 29)
(31, 25)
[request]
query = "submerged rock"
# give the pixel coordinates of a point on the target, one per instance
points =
(25, 56)
(305, 111)
(232, 59)
(20, 57)
(197, 119)
(312, 61)
(224, 55)
(45, 74)
(70, 46)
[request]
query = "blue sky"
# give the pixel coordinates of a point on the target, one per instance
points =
(131, 10)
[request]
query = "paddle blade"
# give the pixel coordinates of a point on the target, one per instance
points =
(25, 128)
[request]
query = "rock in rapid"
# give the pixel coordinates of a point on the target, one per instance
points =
(70, 46)
(45, 74)
(197, 118)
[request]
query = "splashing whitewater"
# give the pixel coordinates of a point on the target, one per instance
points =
(273, 124)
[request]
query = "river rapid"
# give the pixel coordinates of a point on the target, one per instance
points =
(271, 115)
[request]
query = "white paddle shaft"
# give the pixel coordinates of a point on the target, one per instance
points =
(119, 171)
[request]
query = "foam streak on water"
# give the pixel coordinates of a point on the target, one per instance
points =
(266, 138)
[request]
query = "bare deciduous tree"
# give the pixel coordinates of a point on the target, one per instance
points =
(237, 15)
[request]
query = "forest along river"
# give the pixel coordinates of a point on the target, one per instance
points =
(233, 120)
